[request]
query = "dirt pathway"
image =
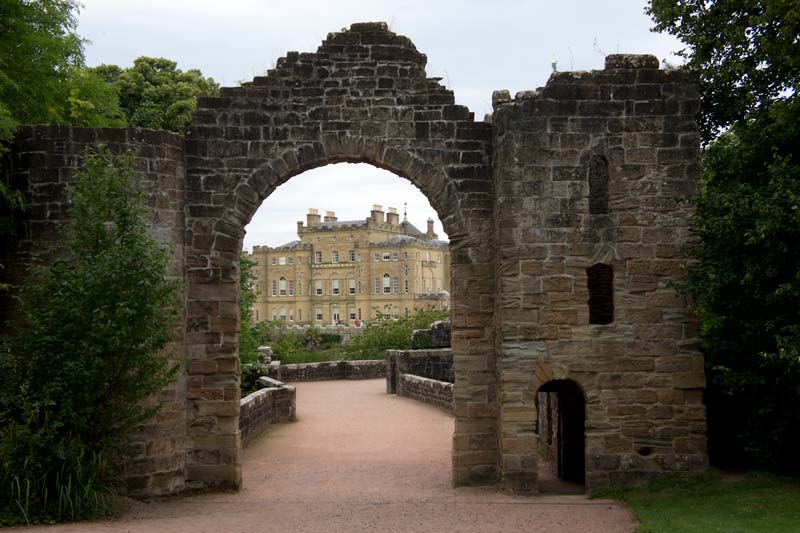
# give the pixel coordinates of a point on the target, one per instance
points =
(358, 459)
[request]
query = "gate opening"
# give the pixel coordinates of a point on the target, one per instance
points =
(562, 443)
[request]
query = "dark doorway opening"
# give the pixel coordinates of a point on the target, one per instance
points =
(562, 415)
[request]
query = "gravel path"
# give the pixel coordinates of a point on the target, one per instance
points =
(358, 459)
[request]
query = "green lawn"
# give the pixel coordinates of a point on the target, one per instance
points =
(705, 502)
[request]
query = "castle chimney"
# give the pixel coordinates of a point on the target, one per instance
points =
(299, 227)
(377, 214)
(392, 218)
(431, 235)
(330, 216)
(312, 218)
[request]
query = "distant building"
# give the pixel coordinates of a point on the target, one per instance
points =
(344, 272)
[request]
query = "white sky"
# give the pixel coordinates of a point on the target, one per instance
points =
(476, 46)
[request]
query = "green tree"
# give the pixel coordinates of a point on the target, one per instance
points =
(746, 283)
(745, 53)
(89, 348)
(391, 333)
(249, 338)
(154, 93)
(39, 50)
(92, 101)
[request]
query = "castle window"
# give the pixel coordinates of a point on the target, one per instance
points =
(274, 314)
(395, 286)
(291, 315)
(352, 285)
(377, 285)
(318, 287)
(291, 288)
(396, 312)
(334, 286)
(377, 257)
(405, 256)
(274, 287)
(282, 260)
(274, 261)
(352, 313)
(335, 314)
(319, 313)
(283, 313)
(351, 256)
(335, 256)
(386, 256)
(282, 285)
(291, 260)
(598, 185)
(387, 289)
(318, 257)
(600, 282)
(395, 256)
(385, 311)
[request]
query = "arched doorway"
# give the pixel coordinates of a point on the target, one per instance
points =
(363, 96)
(562, 441)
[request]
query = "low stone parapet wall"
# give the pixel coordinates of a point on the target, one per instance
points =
(438, 393)
(436, 364)
(264, 407)
(424, 375)
(329, 370)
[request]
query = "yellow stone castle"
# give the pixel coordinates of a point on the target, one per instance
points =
(347, 271)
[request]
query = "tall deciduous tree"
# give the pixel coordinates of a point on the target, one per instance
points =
(746, 52)
(747, 281)
(38, 51)
(154, 93)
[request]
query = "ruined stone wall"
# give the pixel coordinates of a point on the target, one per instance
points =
(363, 96)
(567, 217)
(596, 169)
(329, 370)
(264, 407)
(42, 163)
(431, 391)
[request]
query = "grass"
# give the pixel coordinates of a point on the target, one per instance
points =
(704, 502)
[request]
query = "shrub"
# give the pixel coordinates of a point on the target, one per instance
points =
(89, 348)
(391, 333)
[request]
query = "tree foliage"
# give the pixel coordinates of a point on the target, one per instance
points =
(39, 50)
(745, 52)
(746, 282)
(391, 333)
(747, 287)
(154, 93)
(88, 350)
(249, 337)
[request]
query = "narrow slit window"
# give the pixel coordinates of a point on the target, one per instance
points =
(600, 281)
(598, 185)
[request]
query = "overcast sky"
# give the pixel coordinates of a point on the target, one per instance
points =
(476, 46)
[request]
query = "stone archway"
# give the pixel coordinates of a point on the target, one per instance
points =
(362, 97)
